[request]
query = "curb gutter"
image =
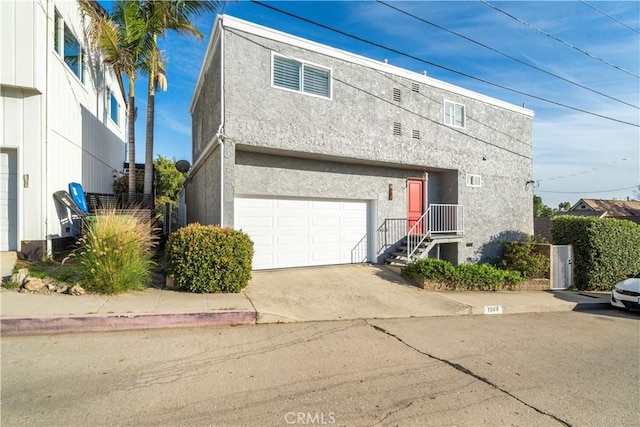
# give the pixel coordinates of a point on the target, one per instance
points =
(10, 326)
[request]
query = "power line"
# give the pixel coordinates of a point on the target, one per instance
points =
(378, 97)
(609, 16)
(439, 101)
(558, 39)
(398, 52)
(506, 55)
(586, 192)
(585, 171)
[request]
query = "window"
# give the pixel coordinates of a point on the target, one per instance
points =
(68, 46)
(454, 114)
(474, 180)
(57, 25)
(301, 77)
(114, 108)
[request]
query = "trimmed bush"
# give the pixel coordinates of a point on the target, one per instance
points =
(479, 277)
(207, 258)
(485, 277)
(114, 255)
(431, 269)
(526, 258)
(605, 250)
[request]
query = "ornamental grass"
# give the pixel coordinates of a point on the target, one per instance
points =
(115, 253)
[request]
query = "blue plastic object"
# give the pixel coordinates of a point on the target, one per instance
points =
(77, 194)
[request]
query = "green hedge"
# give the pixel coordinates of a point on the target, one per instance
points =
(207, 258)
(605, 250)
(526, 258)
(477, 277)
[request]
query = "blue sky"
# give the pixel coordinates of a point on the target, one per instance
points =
(576, 155)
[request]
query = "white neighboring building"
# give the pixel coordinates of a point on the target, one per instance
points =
(63, 119)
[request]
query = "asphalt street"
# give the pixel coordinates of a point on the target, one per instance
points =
(570, 368)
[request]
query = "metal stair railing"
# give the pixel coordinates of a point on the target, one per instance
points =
(417, 234)
(438, 219)
(446, 219)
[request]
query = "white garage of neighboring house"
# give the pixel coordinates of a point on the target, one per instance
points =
(8, 200)
(295, 232)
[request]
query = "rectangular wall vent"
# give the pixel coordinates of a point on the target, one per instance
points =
(415, 134)
(415, 87)
(397, 95)
(397, 129)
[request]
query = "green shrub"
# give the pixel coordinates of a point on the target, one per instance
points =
(431, 269)
(207, 258)
(481, 277)
(114, 255)
(485, 277)
(605, 250)
(525, 258)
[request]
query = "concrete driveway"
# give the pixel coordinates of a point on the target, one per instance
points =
(342, 292)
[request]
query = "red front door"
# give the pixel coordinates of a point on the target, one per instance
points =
(415, 206)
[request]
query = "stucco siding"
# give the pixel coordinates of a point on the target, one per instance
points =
(358, 121)
(203, 192)
(287, 144)
(270, 175)
(207, 107)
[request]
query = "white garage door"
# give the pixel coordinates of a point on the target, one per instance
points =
(8, 200)
(301, 232)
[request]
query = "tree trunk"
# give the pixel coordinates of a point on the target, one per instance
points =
(132, 139)
(148, 158)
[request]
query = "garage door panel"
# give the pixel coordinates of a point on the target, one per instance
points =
(292, 240)
(304, 231)
(290, 221)
(256, 203)
(262, 239)
(292, 204)
(326, 238)
(355, 222)
(326, 222)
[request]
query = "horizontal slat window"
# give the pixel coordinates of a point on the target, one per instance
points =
(286, 73)
(300, 77)
(316, 81)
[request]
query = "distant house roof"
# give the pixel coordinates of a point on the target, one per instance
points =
(622, 209)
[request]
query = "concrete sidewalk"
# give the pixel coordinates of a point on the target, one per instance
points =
(288, 295)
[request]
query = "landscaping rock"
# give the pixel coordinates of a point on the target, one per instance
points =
(62, 289)
(76, 290)
(20, 277)
(33, 284)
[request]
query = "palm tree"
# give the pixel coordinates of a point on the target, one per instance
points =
(124, 41)
(166, 15)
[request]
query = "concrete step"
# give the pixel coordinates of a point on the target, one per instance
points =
(420, 248)
(402, 261)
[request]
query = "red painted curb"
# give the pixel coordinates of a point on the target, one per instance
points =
(121, 322)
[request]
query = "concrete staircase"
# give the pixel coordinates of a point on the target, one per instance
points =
(399, 256)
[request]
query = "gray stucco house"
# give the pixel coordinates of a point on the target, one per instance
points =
(326, 157)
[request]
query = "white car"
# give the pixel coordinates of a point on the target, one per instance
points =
(626, 294)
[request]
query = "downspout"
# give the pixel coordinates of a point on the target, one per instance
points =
(45, 160)
(221, 128)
